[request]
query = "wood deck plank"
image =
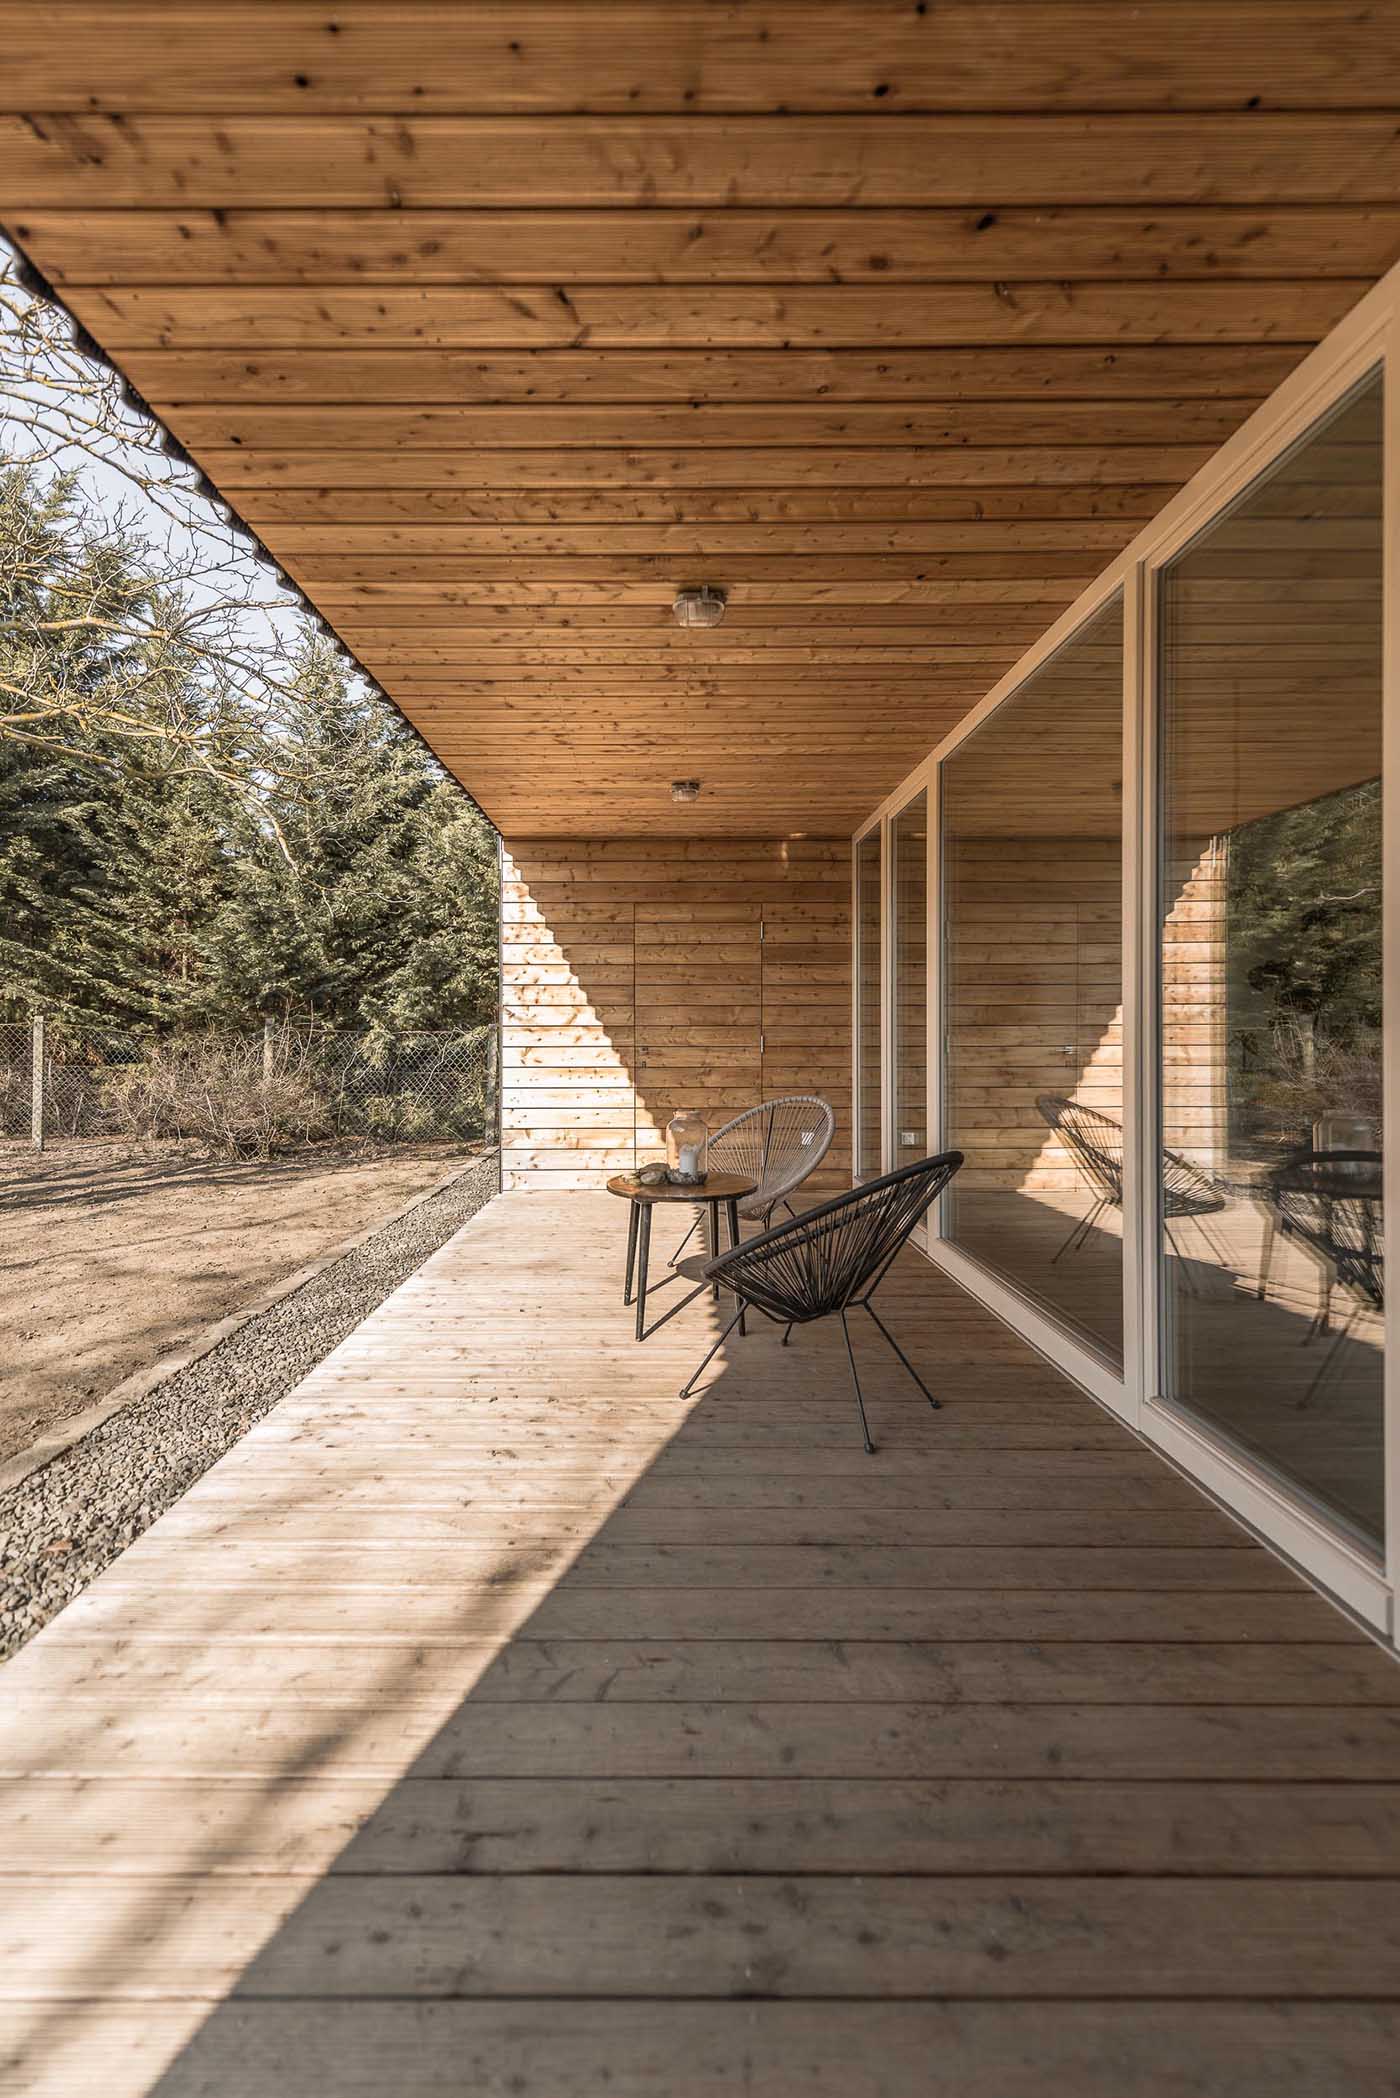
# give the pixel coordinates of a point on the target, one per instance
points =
(570, 2049)
(484, 1674)
(481, 1827)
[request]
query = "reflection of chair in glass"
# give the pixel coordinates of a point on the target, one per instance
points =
(1096, 1142)
(1330, 1202)
(831, 1260)
(779, 1144)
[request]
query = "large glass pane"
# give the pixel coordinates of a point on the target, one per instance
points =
(909, 848)
(1033, 1006)
(868, 1004)
(1270, 1226)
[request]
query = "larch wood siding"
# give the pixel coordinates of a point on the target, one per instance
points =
(1195, 1008)
(642, 976)
(1034, 999)
(1035, 1003)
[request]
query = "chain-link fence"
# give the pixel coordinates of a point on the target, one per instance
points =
(247, 1093)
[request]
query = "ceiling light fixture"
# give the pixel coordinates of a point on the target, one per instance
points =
(685, 790)
(703, 607)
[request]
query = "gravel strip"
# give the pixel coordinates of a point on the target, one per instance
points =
(62, 1526)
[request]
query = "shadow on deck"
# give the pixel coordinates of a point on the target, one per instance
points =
(490, 1721)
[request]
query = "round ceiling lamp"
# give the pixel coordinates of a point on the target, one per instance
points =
(703, 607)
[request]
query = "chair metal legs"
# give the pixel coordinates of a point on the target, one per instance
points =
(1079, 1232)
(688, 1387)
(866, 1305)
(1332, 1360)
(1216, 1261)
(855, 1379)
(1266, 1255)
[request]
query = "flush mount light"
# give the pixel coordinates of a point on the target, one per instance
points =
(703, 607)
(685, 790)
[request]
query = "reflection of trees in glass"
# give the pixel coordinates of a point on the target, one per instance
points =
(1304, 924)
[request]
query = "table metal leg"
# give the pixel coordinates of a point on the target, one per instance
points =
(733, 1209)
(632, 1209)
(713, 1208)
(643, 1249)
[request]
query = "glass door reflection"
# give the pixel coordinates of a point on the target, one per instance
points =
(909, 919)
(1271, 1240)
(869, 1008)
(1033, 986)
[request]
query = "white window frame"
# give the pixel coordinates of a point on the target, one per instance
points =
(1368, 338)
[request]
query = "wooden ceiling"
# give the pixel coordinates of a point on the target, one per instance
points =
(501, 323)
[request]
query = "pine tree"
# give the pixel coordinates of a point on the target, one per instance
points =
(175, 857)
(382, 912)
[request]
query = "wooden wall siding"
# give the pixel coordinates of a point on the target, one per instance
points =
(700, 973)
(501, 323)
(641, 976)
(1034, 997)
(909, 878)
(1196, 1008)
(1035, 1004)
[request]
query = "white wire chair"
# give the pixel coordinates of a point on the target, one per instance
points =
(778, 1144)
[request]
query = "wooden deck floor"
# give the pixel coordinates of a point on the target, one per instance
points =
(490, 1722)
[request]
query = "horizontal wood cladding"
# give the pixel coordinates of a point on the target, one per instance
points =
(91, 160)
(695, 55)
(733, 317)
(696, 462)
(408, 374)
(1034, 1001)
(1034, 1005)
(640, 976)
(931, 246)
(860, 310)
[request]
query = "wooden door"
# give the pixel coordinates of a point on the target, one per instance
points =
(699, 1012)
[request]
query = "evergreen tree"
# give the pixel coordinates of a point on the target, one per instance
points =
(1304, 911)
(174, 857)
(381, 908)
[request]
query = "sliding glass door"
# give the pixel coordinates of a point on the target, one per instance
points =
(1141, 976)
(1269, 1172)
(909, 964)
(1032, 885)
(869, 1006)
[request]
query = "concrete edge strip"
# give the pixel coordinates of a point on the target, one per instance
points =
(17, 1469)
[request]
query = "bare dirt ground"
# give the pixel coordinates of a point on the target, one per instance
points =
(112, 1255)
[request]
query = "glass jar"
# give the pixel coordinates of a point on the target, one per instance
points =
(686, 1138)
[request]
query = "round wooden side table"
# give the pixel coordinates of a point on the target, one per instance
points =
(720, 1191)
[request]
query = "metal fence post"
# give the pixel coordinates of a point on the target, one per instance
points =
(36, 1084)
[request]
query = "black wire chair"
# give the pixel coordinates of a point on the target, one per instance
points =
(831, 1260)
(1096, 1142)
(1330, 1202)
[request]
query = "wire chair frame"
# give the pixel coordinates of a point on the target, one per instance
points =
(780, 1143)
(830, 1261)
(1096, 1143)
(1328, 1201)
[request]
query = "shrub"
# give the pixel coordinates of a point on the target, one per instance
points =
(1310, 1073)
(228, 1092)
